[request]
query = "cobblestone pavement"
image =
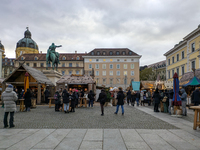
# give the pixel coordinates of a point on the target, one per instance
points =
(86, 118)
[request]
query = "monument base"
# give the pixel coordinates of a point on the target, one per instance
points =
(53, 75)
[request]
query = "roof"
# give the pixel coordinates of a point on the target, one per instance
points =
(74, 79)
(42, 56)
(36, 74)
(158, 64)
(115, 52)
(194, 82)
(189, 75)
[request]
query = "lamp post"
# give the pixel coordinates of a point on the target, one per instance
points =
(125, 81)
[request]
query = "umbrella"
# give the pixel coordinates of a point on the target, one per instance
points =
(176, 99)
(26, 82)
(193, 82)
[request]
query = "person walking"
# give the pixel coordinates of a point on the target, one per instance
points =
(157, 98)
(120, 102)
(137, 97)
(196, 97)
(91, 98)
(184, 101)
(8, 98)
(73, 100)
(133, 97)
(102, 98)
(65, 96)
(128, 96)
(46, 93)
(27, 99)
(57, 100)
(141, 97)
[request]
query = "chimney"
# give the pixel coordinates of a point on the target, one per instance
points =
(40, 52)
(75, 52)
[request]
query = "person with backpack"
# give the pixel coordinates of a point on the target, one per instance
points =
(65, 96)
(102, 98)
(91, 98)
(57, 100)
(120, 102)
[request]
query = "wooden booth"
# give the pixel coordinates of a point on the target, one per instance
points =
(27, 77)
(84, 82)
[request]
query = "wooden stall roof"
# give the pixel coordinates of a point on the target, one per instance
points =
(1, 80)
(188, 76)
(36, 74)
(76, 79)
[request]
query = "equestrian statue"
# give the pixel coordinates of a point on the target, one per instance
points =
(52, 56)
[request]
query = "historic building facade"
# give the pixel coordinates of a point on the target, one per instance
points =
(185, 56)
(26, 45)
(70, 63)
(113, 67)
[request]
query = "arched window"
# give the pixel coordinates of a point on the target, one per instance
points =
(64, 58)
(104, 53)
(111, 53)
(98, 53)
(22, 58)
(117, 53)
(36, 58)
(77, 58)
(130, 53)
(92, 53)
(123, 53)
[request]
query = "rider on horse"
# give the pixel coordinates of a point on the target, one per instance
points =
(52, 48)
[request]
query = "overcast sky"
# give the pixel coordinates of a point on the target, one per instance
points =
(147, 27)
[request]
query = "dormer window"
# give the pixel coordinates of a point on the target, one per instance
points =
(104, 53)
(98, 53)
(130, 53)
(117, 53)
(77, 58)
(22, 58)
(123, 53)
(92, 53)
(36, 58)
(111, 53)
(64, 58)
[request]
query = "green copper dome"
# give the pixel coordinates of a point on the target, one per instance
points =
(1, 46)
(27, 41)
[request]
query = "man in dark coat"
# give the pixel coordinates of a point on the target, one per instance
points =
(57, 98)
(65, 96)
(128, 96)
(46, 93)
(120, 98)
(137, 97)
(73, 100)
(196, 97)
(27, 100)
(157, 98)
(102, 99)
(91, 97)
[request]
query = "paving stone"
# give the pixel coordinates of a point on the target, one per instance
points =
(91, 145)
(94, 135)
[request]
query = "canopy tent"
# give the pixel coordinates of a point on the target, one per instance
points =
(135, 86)
(193, 82)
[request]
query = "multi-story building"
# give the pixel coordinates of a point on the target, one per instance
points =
(2, 48)
(70, 63)
(113, 67)
(160, 69)
(185, 56)
(7, 66)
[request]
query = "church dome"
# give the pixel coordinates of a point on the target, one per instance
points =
(1, 46)
(27, 41)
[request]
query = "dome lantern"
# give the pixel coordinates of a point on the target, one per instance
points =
(27, 33)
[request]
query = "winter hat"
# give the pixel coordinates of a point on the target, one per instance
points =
(10, 86)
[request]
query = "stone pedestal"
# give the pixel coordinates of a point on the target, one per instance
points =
(53, 75)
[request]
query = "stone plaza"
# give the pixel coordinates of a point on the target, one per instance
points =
(140, 128)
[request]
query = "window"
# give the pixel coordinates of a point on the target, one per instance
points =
(90, 66)
(132, 73)
(70, 72)
(97, 59)
(77, 58)
(177, 57)
(111, 81)
(111, 73)
(97, 66)
(130, 53)
(104, 81)
(63, 58)
(182, 54)
(111, 66)
(193, 47)
(183, 70)
(177, 71)
(104, 73)
(118, 66)
(97, 81)
(27, 64)
(111, 53)
(77, 72)
(168, 74)
(104, 53)
(118, 81)
(98, 53)
(41, 64)
(77, 64)
(34, 64)
(97, 73)
(118, 60)
(123, 53)
(104, 66)
(132, 66)
(92, 53)
(118, 73)
(70, 64)
(168, 61)
(63, 72)
(63, 64)
(193, 64)
(125, 73)
(36, 58)
(172, 73)
(117, 53)
(22, 58)
(125, 66)
(132, 59)
(172, 60)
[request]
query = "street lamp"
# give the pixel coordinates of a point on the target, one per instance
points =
(125, 81)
